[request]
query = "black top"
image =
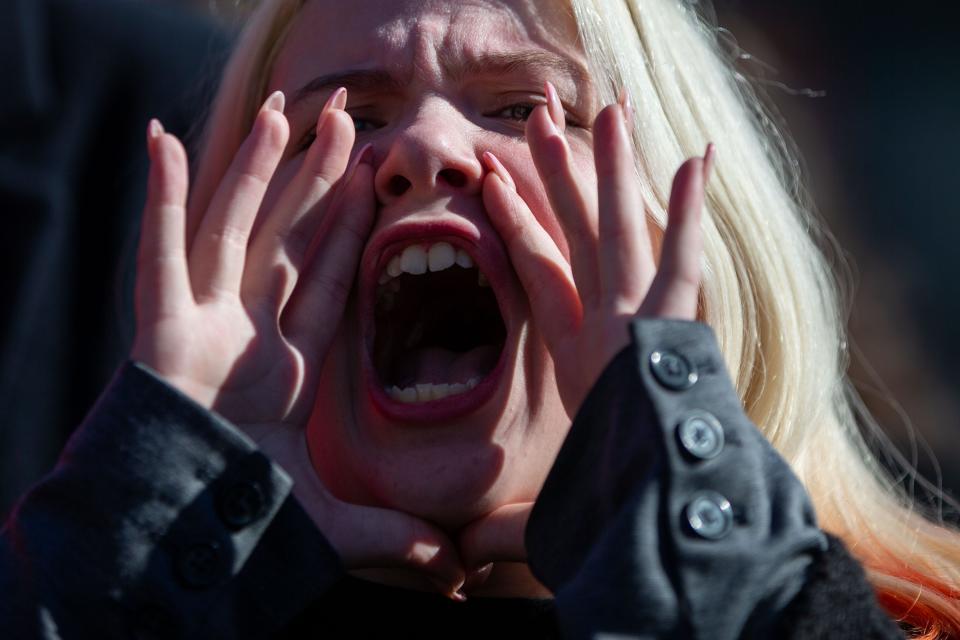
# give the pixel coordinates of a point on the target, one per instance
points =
(357, 608)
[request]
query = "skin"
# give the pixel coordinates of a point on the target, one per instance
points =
(257, 315)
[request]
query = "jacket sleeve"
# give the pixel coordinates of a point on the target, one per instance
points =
(668, 515)
(160, 520)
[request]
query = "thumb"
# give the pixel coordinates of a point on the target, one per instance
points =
(496, 537)
(372, 537)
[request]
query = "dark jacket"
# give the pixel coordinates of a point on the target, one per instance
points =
(666, 515)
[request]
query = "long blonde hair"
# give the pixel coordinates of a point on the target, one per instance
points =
(768, 289)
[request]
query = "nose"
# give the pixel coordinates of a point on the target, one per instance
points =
(430, 156)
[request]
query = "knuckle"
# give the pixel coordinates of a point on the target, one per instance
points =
(252, 178)
(229, 236)
(323, 177)
(681, 277)
(621, 304)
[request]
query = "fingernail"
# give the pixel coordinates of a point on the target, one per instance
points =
(275, 102)
(554, 106)
(708, 159)
(444, 587)
(337, 100)
(477, 577)
(626, 105)
(154, 129)
(493, 164)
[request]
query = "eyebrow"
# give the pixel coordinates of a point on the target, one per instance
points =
(542, 62)
(357, 80)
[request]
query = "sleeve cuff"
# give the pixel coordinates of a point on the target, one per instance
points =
(667, 510)
(175, 520)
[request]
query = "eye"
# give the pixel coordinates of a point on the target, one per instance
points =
(520, 112)
(363, 125)
(360, 125)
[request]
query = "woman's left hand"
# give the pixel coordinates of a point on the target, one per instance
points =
(583, 305)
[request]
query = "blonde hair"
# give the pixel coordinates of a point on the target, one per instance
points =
(768, 290)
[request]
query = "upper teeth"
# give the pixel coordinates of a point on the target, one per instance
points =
(440, 256)
(418, 259)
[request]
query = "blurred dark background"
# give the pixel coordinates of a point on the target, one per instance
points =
(879, 142)
(869, 92)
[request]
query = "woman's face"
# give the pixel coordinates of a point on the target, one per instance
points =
(438, 397)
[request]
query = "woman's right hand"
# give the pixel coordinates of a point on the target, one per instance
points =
(239, 317)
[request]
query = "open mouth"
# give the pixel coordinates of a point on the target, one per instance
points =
(438, 332)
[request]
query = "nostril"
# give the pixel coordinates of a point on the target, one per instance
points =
(398, 185)
(453, 177)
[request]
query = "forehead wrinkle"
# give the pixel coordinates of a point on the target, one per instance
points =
(542, 62)
(428, 40)
(433, 46)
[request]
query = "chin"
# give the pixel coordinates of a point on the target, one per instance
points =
(436, 399)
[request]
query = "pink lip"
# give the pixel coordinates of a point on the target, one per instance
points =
(489, 256)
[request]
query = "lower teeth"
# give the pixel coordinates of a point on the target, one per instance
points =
(421, 393)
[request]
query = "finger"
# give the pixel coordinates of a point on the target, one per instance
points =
(544, 273)
(570, 197)
(626, 258)
(218, 252)
(163, 281)
(675, 290)
(383, 538)
(315, 307)
(554, 107)
(497, 537)
(279, 246)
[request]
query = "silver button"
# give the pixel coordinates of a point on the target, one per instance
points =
(672, 370)
(701, 434)
(710, 515)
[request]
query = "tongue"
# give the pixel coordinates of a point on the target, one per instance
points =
(438, 366)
